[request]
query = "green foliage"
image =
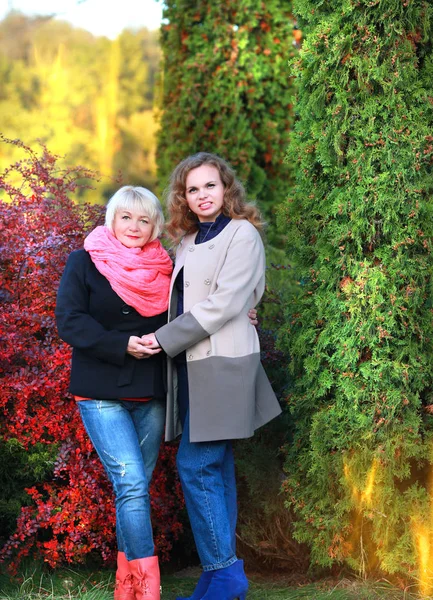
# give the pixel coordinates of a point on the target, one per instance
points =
(226, 89)
(359, 329)
(20, 468)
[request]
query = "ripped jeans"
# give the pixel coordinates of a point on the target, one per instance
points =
(127, 436)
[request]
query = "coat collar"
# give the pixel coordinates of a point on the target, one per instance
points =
(188, 240)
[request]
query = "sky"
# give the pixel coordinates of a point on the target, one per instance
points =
(100, 17)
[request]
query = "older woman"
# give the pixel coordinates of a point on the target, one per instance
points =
(223, 392)
(113, 292)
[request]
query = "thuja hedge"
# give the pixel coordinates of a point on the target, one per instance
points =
(226, 89)
(360, 329)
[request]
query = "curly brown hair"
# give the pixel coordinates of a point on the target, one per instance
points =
(182, 220)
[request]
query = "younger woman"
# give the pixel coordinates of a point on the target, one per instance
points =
(222, 390)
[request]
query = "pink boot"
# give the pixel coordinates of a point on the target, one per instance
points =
(146, 578)
(123, 589)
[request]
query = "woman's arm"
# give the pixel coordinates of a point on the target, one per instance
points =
(80, 329)
(240, 278)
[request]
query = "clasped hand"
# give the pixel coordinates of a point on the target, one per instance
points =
(143, 347)
(147, 345)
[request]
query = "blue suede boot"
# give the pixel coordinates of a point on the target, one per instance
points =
(200, 588)
(228, 584)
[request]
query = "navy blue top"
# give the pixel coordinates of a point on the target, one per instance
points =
(210, 229)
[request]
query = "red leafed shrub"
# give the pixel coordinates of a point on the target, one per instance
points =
(71, 514)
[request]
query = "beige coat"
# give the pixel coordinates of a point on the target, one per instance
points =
(230, 395)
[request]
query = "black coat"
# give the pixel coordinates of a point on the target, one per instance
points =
(97, 323)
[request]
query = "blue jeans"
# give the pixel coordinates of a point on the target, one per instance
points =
(207, 474)
(127, 436)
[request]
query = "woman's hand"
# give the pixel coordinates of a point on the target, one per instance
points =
(252, 315)
(150, 341)
(138, 349)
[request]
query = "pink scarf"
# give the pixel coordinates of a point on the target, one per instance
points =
(140, 276)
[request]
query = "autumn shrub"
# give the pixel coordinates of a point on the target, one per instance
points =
(359, 330)
(68, 512)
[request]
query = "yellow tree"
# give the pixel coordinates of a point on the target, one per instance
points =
(106, 107)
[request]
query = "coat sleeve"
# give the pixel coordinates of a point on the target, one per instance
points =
(241, 276)
(74, 323)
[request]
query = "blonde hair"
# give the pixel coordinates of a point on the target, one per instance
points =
(138, 199)
(182, 220)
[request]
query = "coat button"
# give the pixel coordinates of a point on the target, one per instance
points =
(190, 357)
(211, 246)
(186, 283)
(191, 248)
(207, 281)
(126, 309)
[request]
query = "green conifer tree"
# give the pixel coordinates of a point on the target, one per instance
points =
(226, 89)
(359, 223)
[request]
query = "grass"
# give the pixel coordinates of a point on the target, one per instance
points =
(67, 584)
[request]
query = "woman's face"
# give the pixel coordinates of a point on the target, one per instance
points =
(204, 192)
(132, 228)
